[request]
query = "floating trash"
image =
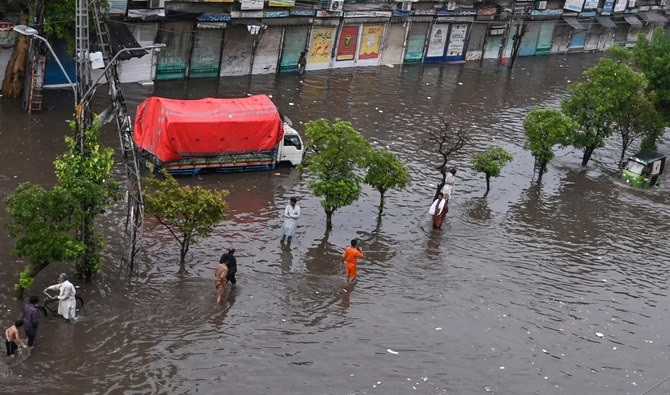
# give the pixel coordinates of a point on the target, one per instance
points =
(391, 351)
(599, 334)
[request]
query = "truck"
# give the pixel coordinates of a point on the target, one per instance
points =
(215, 134)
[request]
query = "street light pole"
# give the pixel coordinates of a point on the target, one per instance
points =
(31, 32)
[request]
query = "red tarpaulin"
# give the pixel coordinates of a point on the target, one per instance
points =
(172, 129)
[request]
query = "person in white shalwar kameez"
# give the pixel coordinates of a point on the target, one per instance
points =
(67, 304)
(291, 214)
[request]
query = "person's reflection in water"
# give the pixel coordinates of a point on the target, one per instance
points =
(345, 298)
(286, 258)
(433, 245)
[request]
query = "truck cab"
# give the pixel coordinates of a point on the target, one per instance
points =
(292, 148)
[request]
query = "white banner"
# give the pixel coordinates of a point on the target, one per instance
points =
(438, 39)
(573, 5)
(590, 4)
(620, 5)
(251, 4)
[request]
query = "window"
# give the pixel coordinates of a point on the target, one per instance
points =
(292, 141)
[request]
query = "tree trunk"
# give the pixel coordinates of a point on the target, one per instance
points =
(329, 220)
(183, 250)
(543, 169)
(15, 74)
(488, 184)
(588, 151)
(381, 202)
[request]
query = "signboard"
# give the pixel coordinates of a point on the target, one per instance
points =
(438, 39)
(246, 14)
(346, 48)
(607, 7)
(251, 4)
(368, 14)
(620, 5)
(7, 35)
(457, 40)
(275, 14)
(213, 18)
(370, 42)
(591, 4)
(322, 39)
(117, 6)
(573, 5)
(301, 12)
(281, 3)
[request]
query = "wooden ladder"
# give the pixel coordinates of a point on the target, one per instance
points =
(36, 83)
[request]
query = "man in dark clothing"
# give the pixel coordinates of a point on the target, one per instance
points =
(31, 319)
(231, 262)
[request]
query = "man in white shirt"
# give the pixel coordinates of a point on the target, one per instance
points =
(67, 304)
(449, 183)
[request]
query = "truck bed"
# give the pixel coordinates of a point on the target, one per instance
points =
(226, 163)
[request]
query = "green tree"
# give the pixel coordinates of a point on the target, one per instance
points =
(58, 224)
(546, 128)
(87, 178)
(599, 102)
(385, 172)
(641, 120)
(339, 151)
(189, 213)
(490, 163)
(653, 58)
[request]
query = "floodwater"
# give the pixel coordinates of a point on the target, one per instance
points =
(561, 288)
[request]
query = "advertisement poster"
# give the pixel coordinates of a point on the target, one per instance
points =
(281, 3)
(251, 4)
(322, 39)
(620, 5)
(370, 42)
(7, 35)
(608, 7)
(457, 40)
(591, 4)
(438, 39)
(573, 5)
(346, 48)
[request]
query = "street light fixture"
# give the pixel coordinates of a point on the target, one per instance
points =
(31, 32)
(91, 90)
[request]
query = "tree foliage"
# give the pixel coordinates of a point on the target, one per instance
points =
(189, 213)
(53, 225)
(653, 58)
(385, 172)
(544, 129)
(641, 121)
(491, 163)
(339, 151)
(599, 102)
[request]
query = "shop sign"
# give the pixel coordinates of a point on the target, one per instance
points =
(213, 18)
(573, 5)
(275, 14)
(368, 14)
(251, 4)
(328, 14)
(302, 12)
(558, 12)
(425, 12)
(591, 4)
(247, 14)
(607, 7)
(457, 12)
(281, 3)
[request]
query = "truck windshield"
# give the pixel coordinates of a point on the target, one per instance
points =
(635, 167)
(293, 141)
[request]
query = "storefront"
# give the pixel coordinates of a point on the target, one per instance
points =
(394, 40)
(140, 69)
(652, 21)
(545, 38)
(207, 46)
(322, 42)
(416, 37)
(360, 39)
(448, 36)
(578, 34)
(530, 38)
(606, 36)
(172, 59)
(633, 31)
(494, 41)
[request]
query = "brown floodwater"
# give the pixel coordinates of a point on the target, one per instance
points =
(561, 288)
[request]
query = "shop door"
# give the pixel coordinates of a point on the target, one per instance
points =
(492, 47)
(394, 43)
(529, 40)
(544, 38)
(267, 52)
(206, 57)
(173, 59)
(578, 39)
(236, 57)
(295, 41)
(416, 40)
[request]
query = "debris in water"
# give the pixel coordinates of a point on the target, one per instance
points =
(438, 329)
(599, 334)
(391, 351)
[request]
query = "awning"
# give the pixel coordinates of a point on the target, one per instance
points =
(288, 21)
(606, 22)
(633, 20)
(653, 17)
(120, 37)
(574, 23)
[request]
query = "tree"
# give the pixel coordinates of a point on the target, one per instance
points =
(55, 20)
(189, 213)
(653, 58)
(600, 101)
(490, 163)
(41, 220)
(339, 150)
(385, 172)
(87, 178)
(640, 121)
(58, 224)
(544, 129)
(449, 141)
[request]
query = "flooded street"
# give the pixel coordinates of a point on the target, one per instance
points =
(561, 288)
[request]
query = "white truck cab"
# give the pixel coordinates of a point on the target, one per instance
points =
(292, 148)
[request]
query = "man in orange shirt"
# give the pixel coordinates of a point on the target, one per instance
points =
(351, 254)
